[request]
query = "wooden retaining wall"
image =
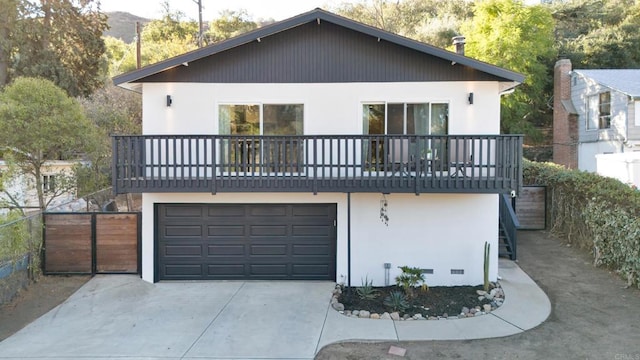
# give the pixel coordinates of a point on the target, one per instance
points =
(91, 243)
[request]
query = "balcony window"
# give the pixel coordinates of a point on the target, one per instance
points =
(599, 112)
(252, 154)
(402, 119)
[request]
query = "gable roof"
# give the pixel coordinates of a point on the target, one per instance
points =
(626, 81)
(133, 79)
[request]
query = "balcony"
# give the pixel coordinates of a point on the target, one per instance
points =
(317, 163)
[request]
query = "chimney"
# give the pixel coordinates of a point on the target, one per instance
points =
(565, 119)
(459, 42)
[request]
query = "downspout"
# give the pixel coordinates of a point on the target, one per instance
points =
(349, 239)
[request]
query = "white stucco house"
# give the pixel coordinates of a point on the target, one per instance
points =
(19, 189)
(319, 148)
(597, 119)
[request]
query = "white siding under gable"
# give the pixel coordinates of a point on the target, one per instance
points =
(329, 109)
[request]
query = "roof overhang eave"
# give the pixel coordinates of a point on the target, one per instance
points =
(507, 87)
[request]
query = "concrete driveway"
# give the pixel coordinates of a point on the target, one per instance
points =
(126, 318)
(122, 316)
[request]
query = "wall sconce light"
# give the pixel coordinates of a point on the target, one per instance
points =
(470, 98)
(169, 100)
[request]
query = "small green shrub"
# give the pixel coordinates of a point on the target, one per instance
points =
(13, 237)
(410, 278)
(396, 301)
(366, 290)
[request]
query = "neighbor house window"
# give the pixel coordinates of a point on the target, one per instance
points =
(599, 112)
(48, 183)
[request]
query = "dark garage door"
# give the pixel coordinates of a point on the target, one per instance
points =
(246, 241)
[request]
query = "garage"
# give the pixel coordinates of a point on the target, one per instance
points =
(245, 241)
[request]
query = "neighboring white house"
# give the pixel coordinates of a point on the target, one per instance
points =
(595, 112)
(20, 190)
(319, 148)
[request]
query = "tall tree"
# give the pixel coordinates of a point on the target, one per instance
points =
(40, 122)
(598, 33)
(430, 21)
(8, 18)
(510, 34)
(229, 24)
(60, 40)
(112, 110)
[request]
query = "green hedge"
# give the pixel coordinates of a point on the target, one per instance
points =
(593, 212)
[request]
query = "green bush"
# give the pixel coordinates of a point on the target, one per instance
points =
(367, 291)
(13, 237)
(593, 212)
(396, 301)
(410, 278)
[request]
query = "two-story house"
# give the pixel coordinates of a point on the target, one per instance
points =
(595, 112)
(319, 148)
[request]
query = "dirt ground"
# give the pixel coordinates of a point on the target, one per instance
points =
(40, 297)
(593, 316)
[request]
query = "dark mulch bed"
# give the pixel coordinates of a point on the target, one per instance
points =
(437, 301)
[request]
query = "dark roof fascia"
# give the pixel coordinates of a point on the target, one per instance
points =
(315, 15)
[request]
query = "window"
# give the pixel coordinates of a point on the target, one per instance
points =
(599, 112)
(402, 119)
(266, 119)
(405, 118)
(48, 183)
(251, 154)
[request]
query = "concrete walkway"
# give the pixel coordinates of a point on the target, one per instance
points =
(124, 317)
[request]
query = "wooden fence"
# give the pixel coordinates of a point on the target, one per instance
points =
(91, 243)
(531, 208)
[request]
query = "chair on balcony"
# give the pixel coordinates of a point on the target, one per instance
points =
(459, 156)
(399, 156)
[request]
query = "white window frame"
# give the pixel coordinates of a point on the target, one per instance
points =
(49, 183)
(594, 117)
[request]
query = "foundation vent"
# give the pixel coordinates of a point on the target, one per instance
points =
(427, 271)
(457, 271)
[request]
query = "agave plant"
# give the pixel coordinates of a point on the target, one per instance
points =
(397, 301)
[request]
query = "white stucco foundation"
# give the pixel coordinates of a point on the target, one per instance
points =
(431, 231)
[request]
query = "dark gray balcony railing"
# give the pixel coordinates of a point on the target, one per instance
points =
(317, 163)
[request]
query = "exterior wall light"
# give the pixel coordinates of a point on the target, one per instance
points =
(470, 98)
(169, 100)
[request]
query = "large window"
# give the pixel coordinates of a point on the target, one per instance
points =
(250, 154)
(599, 112)
(405, 118)
(266, 119)
(402, 119)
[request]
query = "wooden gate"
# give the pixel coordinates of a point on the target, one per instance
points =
(531, 208)
(91, 243)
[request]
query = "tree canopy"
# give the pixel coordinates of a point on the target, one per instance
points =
(111, 110)
(599, 33)
(518, 37)
(60, 40)
(40, 122)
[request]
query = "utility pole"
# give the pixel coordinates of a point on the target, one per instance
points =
(200, 35)
(138, 46)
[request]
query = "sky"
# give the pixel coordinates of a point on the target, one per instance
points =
(258, 9)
